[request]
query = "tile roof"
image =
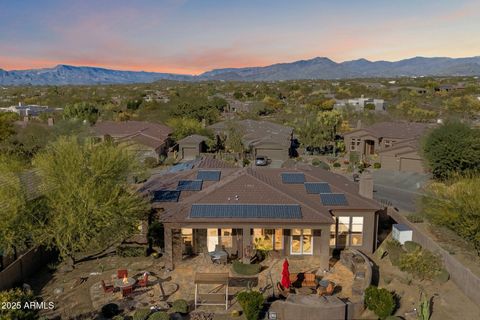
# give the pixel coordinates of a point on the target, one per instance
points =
(194, 138)
(260, 186)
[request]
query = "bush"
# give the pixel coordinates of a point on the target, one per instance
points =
(337, 164)
(377, 165)
(180, 306)
(246, 269)
(380, 301)
(141, 314)
(159, 315)
(150, 162)
(442, 276)
(155, 234)
(421, 264)
(20, 296)
(200, 315)
(128, 251)
(411, 246)
(393, 318)
(118, 317)
(251, 303)
(414, 218)
(320, 164)
(395, 251)
(109, 310)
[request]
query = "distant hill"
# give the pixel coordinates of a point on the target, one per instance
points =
(317, 68)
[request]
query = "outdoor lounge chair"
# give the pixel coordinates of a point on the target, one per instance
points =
(326, 291)
(282, 291)
(122, 273)
(107, 288)
(303, 279)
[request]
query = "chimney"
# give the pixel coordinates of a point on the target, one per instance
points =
(50, 121)
(366, 185)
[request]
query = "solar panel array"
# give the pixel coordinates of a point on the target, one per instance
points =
(317, 187)
(209, 175)
(245, 211)
(333, 199)
(293, 177)
(166, 196)
(190, 185)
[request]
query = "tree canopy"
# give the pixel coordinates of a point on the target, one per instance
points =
(90, 203)
(81, 111)
(452, 148)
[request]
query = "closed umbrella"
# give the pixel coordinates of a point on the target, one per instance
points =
(286, 275)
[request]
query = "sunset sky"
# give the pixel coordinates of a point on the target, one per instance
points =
(196, 36)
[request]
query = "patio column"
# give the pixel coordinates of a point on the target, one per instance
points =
(167, 231)
(173, 246)
(247, 244)
(325, 247)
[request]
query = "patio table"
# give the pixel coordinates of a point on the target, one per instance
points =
(218, 256)
(120, 283)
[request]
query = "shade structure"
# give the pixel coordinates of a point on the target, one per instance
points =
(286, 275)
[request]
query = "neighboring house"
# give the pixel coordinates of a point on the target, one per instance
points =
(31, 110)
(295, 212)
(449, 87)
(263, 138)
(147, 139)
(384, 136)
(403, 156)
(359, 104)
(191, 147)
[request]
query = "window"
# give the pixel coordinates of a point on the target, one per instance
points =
(333, 233)
(389, 143)
(301, 241)
(357, 231)
(349, 232)
(268, 239)
(212, 239)
(187, 241)
(226, 238)
(355, 144)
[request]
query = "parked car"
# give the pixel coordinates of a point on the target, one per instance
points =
(261, 161)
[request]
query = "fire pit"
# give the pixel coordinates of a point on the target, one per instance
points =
(124, 282)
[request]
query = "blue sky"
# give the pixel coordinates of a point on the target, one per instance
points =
(194, 36)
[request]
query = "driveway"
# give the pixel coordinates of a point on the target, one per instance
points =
(400, 189)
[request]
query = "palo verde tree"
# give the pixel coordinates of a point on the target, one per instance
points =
(91, 206)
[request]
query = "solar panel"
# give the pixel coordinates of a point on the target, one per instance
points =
(317, 187)
(189, 185)
(333, 199)
(293, 177)
(209, 175)
(245, 211)
(166, 196)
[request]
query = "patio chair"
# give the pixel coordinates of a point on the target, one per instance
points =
(127, 291)
(107, 288)
(143, 281)
(122, 273)
(282, 291)
(326, 291)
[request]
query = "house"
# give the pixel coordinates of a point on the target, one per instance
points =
(298, 212)
(359, 104)
(191, 147)
(261, 138)
(31, 110)
(146, 139)
(382, 137)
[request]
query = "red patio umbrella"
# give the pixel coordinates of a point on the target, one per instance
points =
(286, 275)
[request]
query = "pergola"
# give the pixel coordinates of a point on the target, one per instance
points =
(211, 298)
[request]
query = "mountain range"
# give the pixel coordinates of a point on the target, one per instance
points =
(316, 68)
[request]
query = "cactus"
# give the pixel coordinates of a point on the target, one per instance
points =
(424, 308)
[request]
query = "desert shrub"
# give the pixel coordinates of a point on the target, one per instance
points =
(155, 234)
(118, 317)
(393, 318)
(442, 276)
(424, 309)
(109, 310)
(180, 306)
(141, 314)
(129, 251)
(159, 315)
(395, 251)
(337, 165)
(377, 165)
(411, 246)
(17, 312)
(421, 264)
(380, 301)
(414, 217)
(246, 269)
(150, 162)
(320, 164)
(251, 303)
